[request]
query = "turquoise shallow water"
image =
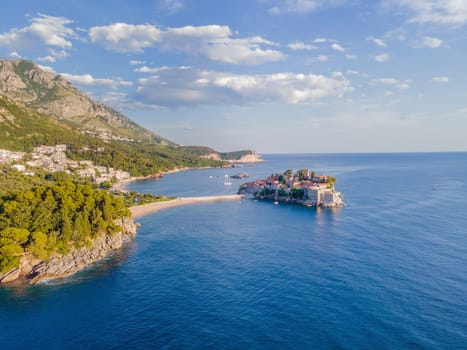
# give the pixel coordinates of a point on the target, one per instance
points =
(388, 271)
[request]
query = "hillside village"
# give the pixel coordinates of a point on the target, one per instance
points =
(304, 187)
(53, 159)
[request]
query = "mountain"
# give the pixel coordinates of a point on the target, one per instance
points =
(38, 107)
(51, 94)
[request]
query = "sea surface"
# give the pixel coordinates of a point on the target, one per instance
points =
(388, 271)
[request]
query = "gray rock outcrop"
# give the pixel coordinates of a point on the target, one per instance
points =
(51, 94)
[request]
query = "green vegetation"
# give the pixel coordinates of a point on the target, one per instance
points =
(139, 159)
(136, 198)
(235, 155)
(331, 180)
(51, 213)
(53, 219)
(266, 191)
(12, 180)
(297, 193)
(43, 88)
(29, 129)
(204, 151)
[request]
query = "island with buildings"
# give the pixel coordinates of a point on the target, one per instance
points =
(304, 187)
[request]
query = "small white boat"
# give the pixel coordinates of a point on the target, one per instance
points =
(227, 180)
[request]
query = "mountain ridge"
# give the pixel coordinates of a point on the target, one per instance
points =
(51, 94)
(29, 93)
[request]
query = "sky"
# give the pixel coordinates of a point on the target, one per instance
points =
(277, 76)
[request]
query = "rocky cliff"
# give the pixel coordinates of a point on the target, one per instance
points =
(252, 157)
(245, 156)
(34, 270)
(51, 94)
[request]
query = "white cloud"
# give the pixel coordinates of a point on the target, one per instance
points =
(152, 70)
(48, 58)
(89, 80)
(337, 47)
(301, 6)
(377, 41)
(430, 42)
(46, 68)
(296, 46)
(136, 62)
(401, 85)
(442, 79)
(445, 12)
(351, 56)
(46, 30)
(14, 54)
(382, 58)
(123, 37)
(320, 58)
(356, 73)
(321, 40)
(176, 86)
(212, 41)
(171, 6)
(122, 101)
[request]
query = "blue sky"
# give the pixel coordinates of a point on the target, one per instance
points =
(278, 76)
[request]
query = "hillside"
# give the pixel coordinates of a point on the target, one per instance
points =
(50, 94)
(236, 156)
(21, 129)
(38, 107)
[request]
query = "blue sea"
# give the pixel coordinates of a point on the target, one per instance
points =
(388, 271)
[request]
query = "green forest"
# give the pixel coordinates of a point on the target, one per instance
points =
(50, 219)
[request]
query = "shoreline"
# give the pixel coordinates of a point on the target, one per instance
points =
(139, 211)
(121, 186)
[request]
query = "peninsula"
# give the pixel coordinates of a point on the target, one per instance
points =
(304, 187)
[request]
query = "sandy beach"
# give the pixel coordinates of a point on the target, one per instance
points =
(145, 209)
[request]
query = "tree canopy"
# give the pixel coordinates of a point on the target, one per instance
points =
(49, 219)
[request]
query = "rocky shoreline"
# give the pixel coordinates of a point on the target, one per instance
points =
(33, 270)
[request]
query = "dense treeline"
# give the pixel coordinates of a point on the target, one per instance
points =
(53, 219)
(140, 159)
(12, 180)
